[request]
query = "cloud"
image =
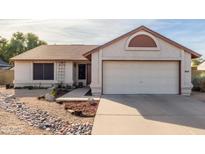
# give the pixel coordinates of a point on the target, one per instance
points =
(71, 31)
(190, 33)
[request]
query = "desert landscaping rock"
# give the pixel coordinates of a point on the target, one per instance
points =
(42, 119)
(49, 97)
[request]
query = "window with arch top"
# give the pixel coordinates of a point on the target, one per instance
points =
(142, 41)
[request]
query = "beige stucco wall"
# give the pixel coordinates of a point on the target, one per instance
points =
(96, 73)
(186, 84)
(23, 74)
(118, 51)
(69, 73)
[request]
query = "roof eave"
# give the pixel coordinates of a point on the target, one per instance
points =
(48, 59)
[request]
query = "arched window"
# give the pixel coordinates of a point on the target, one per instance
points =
(142, 41)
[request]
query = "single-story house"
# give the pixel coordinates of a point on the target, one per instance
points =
(201, 66)
(4, 65)
(139, 62)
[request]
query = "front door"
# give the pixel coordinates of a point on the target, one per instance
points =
(81, 74)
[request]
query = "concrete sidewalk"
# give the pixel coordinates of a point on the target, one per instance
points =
(77, 95)
(149, 114)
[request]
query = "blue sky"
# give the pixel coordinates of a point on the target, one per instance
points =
(190, 33)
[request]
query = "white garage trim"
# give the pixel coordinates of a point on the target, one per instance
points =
(112, 69)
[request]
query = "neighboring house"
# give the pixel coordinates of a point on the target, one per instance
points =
(201, 66)
(193, 68)
(138, 62)
(4, 65)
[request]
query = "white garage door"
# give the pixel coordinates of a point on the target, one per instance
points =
(140, 77)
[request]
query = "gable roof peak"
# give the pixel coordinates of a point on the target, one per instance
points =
(146, 29)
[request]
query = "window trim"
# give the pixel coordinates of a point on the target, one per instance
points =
(43, 80)
(142, 48)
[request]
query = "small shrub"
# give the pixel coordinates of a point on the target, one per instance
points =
(18, 88)
(68, 86)
(28, 87)
(199, 83)
(9, 86)
(196, 83)
(80, 84)
(54, 92)
(60, 85)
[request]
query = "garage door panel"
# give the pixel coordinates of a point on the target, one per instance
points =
(140, 77)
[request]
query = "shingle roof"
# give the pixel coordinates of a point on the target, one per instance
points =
(56, 52)
(3, 63)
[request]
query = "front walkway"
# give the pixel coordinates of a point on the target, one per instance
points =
(149, 114)
(79, 92)
(77, 95)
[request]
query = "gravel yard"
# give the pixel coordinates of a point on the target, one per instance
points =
(54, 109)
(70, 124)
(11, 125)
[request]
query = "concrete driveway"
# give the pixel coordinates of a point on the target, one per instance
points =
(149, 114)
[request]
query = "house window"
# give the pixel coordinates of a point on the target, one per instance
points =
(142, 41)
(43, 71)
(81, 71)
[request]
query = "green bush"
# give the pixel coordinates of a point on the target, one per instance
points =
(54, 92)
(198, 83)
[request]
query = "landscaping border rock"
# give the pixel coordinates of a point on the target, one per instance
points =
(42, 119)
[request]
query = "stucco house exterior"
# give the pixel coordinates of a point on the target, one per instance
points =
(139, 62)
(201, 66)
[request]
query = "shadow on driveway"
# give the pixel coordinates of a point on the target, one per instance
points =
(170, 109)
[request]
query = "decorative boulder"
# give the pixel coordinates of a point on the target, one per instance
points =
(49, 97)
